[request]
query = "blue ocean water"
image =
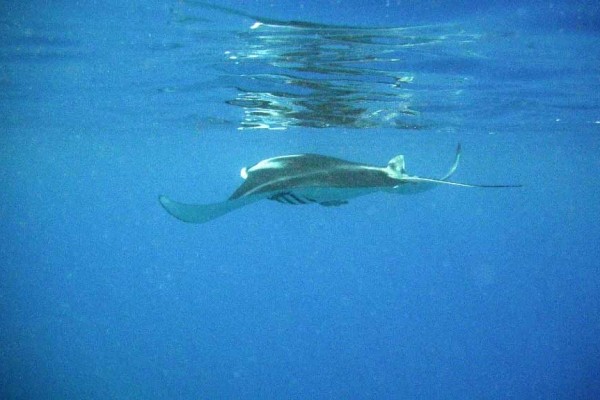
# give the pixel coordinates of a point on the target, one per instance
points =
(455, 293)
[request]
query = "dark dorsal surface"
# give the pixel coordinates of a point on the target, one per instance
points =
(310, 170)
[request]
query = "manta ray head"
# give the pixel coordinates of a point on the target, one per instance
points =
(396, 167)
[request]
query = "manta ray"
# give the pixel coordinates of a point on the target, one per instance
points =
(314, 179)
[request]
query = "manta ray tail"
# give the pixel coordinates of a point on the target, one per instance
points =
(199, 213)
(444, 182)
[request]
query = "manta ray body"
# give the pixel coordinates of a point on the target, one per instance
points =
(312, 178)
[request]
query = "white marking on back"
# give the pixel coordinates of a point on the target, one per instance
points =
(270, 163)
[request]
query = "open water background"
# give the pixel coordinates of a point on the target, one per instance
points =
(452, 293)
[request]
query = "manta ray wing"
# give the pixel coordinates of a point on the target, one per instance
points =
(200, 213)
